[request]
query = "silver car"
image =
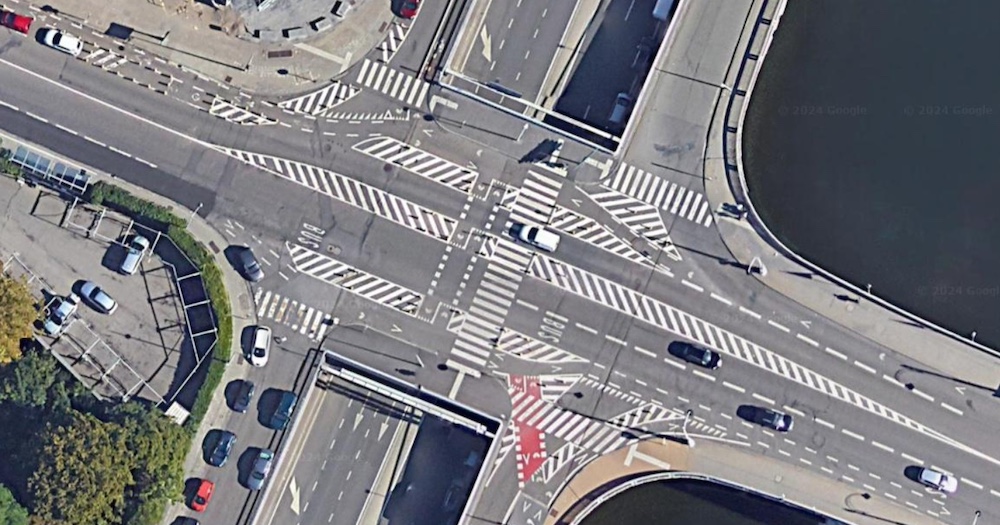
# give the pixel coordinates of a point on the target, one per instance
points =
(133, 256)
(60, 310)
(261, 469)
(97, 298)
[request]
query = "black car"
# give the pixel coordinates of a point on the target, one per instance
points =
(222, 448)
(243, 397)
(774, 420)
(699, 355)
(249, 266)
(279, 420)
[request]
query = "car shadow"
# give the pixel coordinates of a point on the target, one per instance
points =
(748, 413)
(231, 391)
(190, 489)
(211, 438)
(245, 465)
(114, 256)
(267, 405)
(232, 253)
(912, 473)
(246, 341)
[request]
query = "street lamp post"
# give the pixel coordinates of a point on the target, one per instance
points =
(975, 517)
(687, 437)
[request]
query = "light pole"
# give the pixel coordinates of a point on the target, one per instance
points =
(975, 517)
(687, 417)
(521, 134)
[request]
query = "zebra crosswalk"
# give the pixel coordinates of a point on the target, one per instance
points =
(410, 90)
(668, 196)
(592, 232)
(300, 317)
(104, 58)
(480, 330)
(393, 41)
(353, 192)
(319, 103)
(419, 162)
(233, 113)
(334, 272)
(530, 349)
(535, 200)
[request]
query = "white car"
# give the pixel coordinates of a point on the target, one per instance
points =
(64, 42)
(133, 255)
(938, 480)
(536, 236)
(261, 346)
(61, 309)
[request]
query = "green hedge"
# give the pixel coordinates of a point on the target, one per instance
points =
(163, 218)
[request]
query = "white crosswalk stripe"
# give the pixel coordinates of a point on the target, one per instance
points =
(392, 41)
(666, 317)
(228, 111)
(104, 58)
(536, 199)
(301, 318)
(529, 349)
(342, 275)
(410, 90)
(481, 330)
(322, 101)
(592, 232)
(353, 192)
(667, 196)
(419, 162)
(369, 116)
(556, 461)
(553, 386)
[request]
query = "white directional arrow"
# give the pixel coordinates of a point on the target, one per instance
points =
(396, 329)
(961, 390)
(806, 324)
(357, 420)
(485, 37)
(294, 489)
(361, 315)
(472, 165)
(381, 429)
(578, 202)
(428, 132)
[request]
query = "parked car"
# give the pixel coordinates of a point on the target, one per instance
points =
(536, 236)
(774, 419)
(184, 520)
(63, 41)
(223, 446)
(135, 250)
(59, 312)
(937, 480)
(97, 298)
(409, 8)
(261, 346)
(204, 494)
(261, 469)
(283, 414)
(244, 396)
(698, 355)
(249, 266)
(19, 23)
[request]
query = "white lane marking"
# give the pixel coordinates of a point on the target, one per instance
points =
(703, 375)
(146, 162)
(672, 363)
(827, 470)
(586, 328)
(892, 380)
(737, 388)
(765, 445)
(615, 340)
(683, 399)
(847, 478)
(751, 313)
(527, 305)
(809, 450)
(807, 340)
(721, 299)
(120, 152)
(854, 435)
(795, 411)
(897, 485)
(11, 106)
(923, 395)
(36, 117)
(790, 442)
(644, 351)
(95, 141)
(782, 452)
(918, 461)
(953, 409)
(864, 367)
(706, 408)
(886, 448)
(692, 286)
(875, 476)
(779, 326)
(806, 461)
(662, 391)
(971, 483)
(824, 422)
(852, 467)
(67, 130)
(995, 493)
(759, 397)
(642, 383)
(833, 459)
(833, 352)
(890, 496)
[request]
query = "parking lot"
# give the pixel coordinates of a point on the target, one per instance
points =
(58, 247)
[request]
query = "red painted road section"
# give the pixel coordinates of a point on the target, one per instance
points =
(530, 445)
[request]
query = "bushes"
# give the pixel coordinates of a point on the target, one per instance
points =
(104, 194)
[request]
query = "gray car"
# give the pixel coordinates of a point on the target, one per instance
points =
(97, 298)
(249, 266)
(133, 255)
(261, 469)
(61, 309)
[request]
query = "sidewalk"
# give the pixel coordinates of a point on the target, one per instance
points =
(775, 479)
(214, 42)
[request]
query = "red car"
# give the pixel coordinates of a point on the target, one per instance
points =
(409, 8)
(203, 496)
(15, 21)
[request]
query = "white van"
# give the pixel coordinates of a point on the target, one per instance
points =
(536, 236)
(623, 103)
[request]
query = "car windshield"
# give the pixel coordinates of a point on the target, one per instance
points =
(259, 352)
(57, 39)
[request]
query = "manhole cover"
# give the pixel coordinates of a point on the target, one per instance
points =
(333, 249)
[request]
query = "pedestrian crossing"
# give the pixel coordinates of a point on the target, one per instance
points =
(320, 102)
(661, 315)
(667, 196)
(300, 317)
(556, 461)
(336, 273)
(104, 58)
(521, 346)
(353, 192)
(233, 113)
(535, 201)
(368, 116)
(592, 232)
(481, 328)
(393, 41)
(410, 90)
(591, 435)
(419, 162)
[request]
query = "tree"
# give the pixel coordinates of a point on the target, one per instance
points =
(11, 512)
(17, 313)
(83, 470)
(27, 382)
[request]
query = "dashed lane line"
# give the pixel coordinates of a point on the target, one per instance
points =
(854, 435)
(751, 313)
(864, 367)
(692, 286)
(779, 326)
(953, 409)
(674, 364)
(586, 328)
(923, 395)
(807, 340)
(824, 422)
(644, 351)
(737, 388)
(759, 397)
(795, 411)
(971, 483)
(893, 380)
(721, 299)
(833, 352)
(911, 458)
(886, 448)
(703, 375)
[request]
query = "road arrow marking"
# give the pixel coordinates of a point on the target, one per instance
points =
(806, 324)
(472, 166)
(361, 315)
(485, 37)
(428, 132)
(396, 329)
(437, 99)
(381, 429)
(294, 489)
(578, 202)
(357, 420)
(961, 390)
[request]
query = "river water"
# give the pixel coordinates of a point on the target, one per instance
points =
(870, 149)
